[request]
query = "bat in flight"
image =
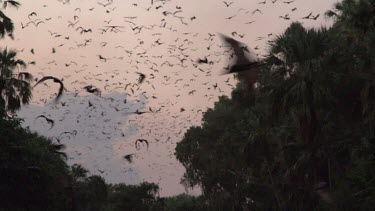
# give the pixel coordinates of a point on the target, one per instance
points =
(56, 80)
(49, 121)
(243, 65)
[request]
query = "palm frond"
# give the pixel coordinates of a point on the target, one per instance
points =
(12, 3)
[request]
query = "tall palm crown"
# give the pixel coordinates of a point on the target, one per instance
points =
(299, 85)
(354, 14)
(298, 91)
(15, 86)
(6, 24)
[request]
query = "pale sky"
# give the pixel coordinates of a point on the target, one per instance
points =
(107, 131)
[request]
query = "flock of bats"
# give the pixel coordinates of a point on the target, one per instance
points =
(239, 60)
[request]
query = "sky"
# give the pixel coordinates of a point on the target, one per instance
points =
(163, 41)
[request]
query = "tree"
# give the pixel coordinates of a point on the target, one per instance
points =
(6, 25)
(355, 36)
(184, 202)
(15, 86)
(133, 197)
(91, 194)
(300, 91)
(354, 15)
(79, 173)
(32, 176)
(212, 154)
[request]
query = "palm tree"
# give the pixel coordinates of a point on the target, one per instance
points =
(298, 90)
(351, 14)
(297, 85)
(6, 24)
(15, 86)
(355, 24)
(11, 3)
